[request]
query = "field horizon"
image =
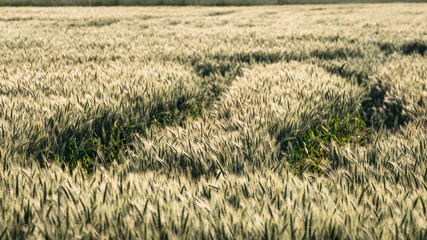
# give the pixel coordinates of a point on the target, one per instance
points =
(266, 122)
(51, 3)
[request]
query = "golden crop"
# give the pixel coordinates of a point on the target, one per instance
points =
(275, 122)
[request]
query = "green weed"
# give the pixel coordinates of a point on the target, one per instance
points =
(313, 150)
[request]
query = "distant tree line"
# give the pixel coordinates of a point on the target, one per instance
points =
(182, 2)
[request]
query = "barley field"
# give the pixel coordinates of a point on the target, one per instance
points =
(267, 122)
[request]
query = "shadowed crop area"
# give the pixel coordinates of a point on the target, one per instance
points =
(268, 122)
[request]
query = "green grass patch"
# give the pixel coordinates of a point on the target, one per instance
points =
(94, 149)
(312, 151)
